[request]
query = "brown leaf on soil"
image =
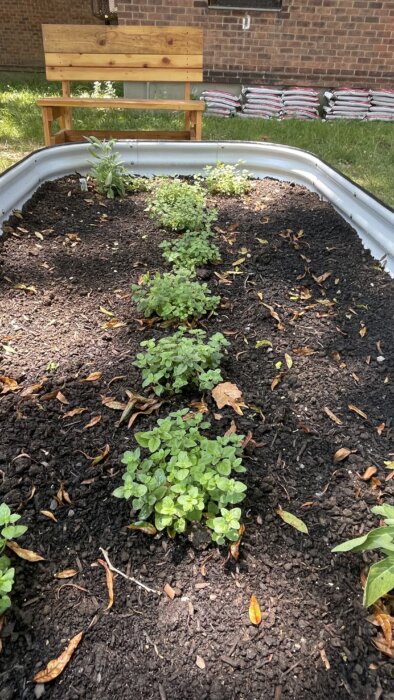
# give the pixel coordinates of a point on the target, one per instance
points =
(56, 666)
(336, 356)
(92, 377)
(29, 390)
(322, 278)
(288, 360)
(369, 472)
(305, 351)
(276, 380)
(232, 429)
(62, 496)
(67, 573)
(381, 644)
(48, 514)
(325, 660)
(142, 526)
(234, 546)
(199, 406)
(342, 454)
(386, 622)
(111, 402)
(363, 331)
(26, 287)
(8, 384)
(332, 416)
(24, 553)
(254, 611)
(359, 412)
(169, 591)
(154, 407)
(74, 412)
(101, 456)
(227, 394)
(380, 428)
(109, 581)
(275, 316)
(60, 397)
(112, 324)
(375, 483)
(92, 422)
(50, 395)
(200, 662)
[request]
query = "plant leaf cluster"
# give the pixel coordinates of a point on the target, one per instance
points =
(381, 574)
(8, 531)
(181, 207)
(226, 179)
(180, 360)
(173, 297)
(108, 170)
(186, 477)
(193, 250)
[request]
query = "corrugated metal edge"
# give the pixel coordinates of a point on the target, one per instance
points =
(373, 221)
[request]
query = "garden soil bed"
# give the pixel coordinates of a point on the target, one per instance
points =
(79, 252)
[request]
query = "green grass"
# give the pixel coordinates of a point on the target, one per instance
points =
(362, 151)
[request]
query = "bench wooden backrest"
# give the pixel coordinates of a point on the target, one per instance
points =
(101, 52)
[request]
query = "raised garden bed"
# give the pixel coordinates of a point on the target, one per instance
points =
(74, 256)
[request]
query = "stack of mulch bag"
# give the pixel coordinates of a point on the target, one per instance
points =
(382, 105)
(220, 103)
(346, 103)
(262, 102)
(300, 103)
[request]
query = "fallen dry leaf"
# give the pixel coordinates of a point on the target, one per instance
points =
(101, 456)
(113, 323)
(254, 611)
(92, 422)
(276, 380)
(325, 660)
(342, 454)
(74, 412)
(60, 397)
(380, 428)
(322, 278)
(332, 415)
(113, 403)
(109, 581)
(275, 316)
(56, 666)
(363, 331)
(304, 351)
(289, 360)
(227, 394)
(67, 573)
(26, 287)
(385, 622)
(145, 527)
(359, 412)
(292, 520)
(234, 546)
(8, 384)
(169, 591)
(48, 514)
(200, 662)
(381, 644)
(369, 472)
(62, 496)
(92, 377)
(24, 553)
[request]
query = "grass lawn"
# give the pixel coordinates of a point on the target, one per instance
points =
(363, 151)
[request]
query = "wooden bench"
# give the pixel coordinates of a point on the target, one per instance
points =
(100, 52)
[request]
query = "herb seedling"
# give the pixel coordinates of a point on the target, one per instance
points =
(180, 206)
(173, 297)
(186, 478)
(107, 171)
(8, 531)
(226, 179)
(181, 360)
(192, 250)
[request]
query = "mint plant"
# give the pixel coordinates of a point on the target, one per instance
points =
(173, 297)
(226, 179)
(186, 478)
(192, 250)
(381, 574)
(8, 531)
(134, 183)
(179, 206)
(108, 171)
(181, 360)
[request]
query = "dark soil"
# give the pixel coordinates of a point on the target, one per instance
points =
(315, 640)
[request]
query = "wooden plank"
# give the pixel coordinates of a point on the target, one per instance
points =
(80, 134)
(122, 103)
(123, 60)
(176, 75)
(59, 137)
(85, 38)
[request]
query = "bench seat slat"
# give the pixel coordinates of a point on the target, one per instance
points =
(122, 103)
(177, 75)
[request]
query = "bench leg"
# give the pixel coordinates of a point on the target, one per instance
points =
(46, 123)
(198, 126)
(187, 121)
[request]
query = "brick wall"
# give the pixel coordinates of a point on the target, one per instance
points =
(309, 42)
(20, 28)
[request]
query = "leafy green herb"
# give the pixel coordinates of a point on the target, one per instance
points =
(179, 206)
(134, 184)
(191, 251)
(180, 360)
(173, 297)
(381, 575)
(108, 171)
(185, 478)
(8, 531)
(227, 179)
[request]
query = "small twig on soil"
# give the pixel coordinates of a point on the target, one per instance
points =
(129, 578)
